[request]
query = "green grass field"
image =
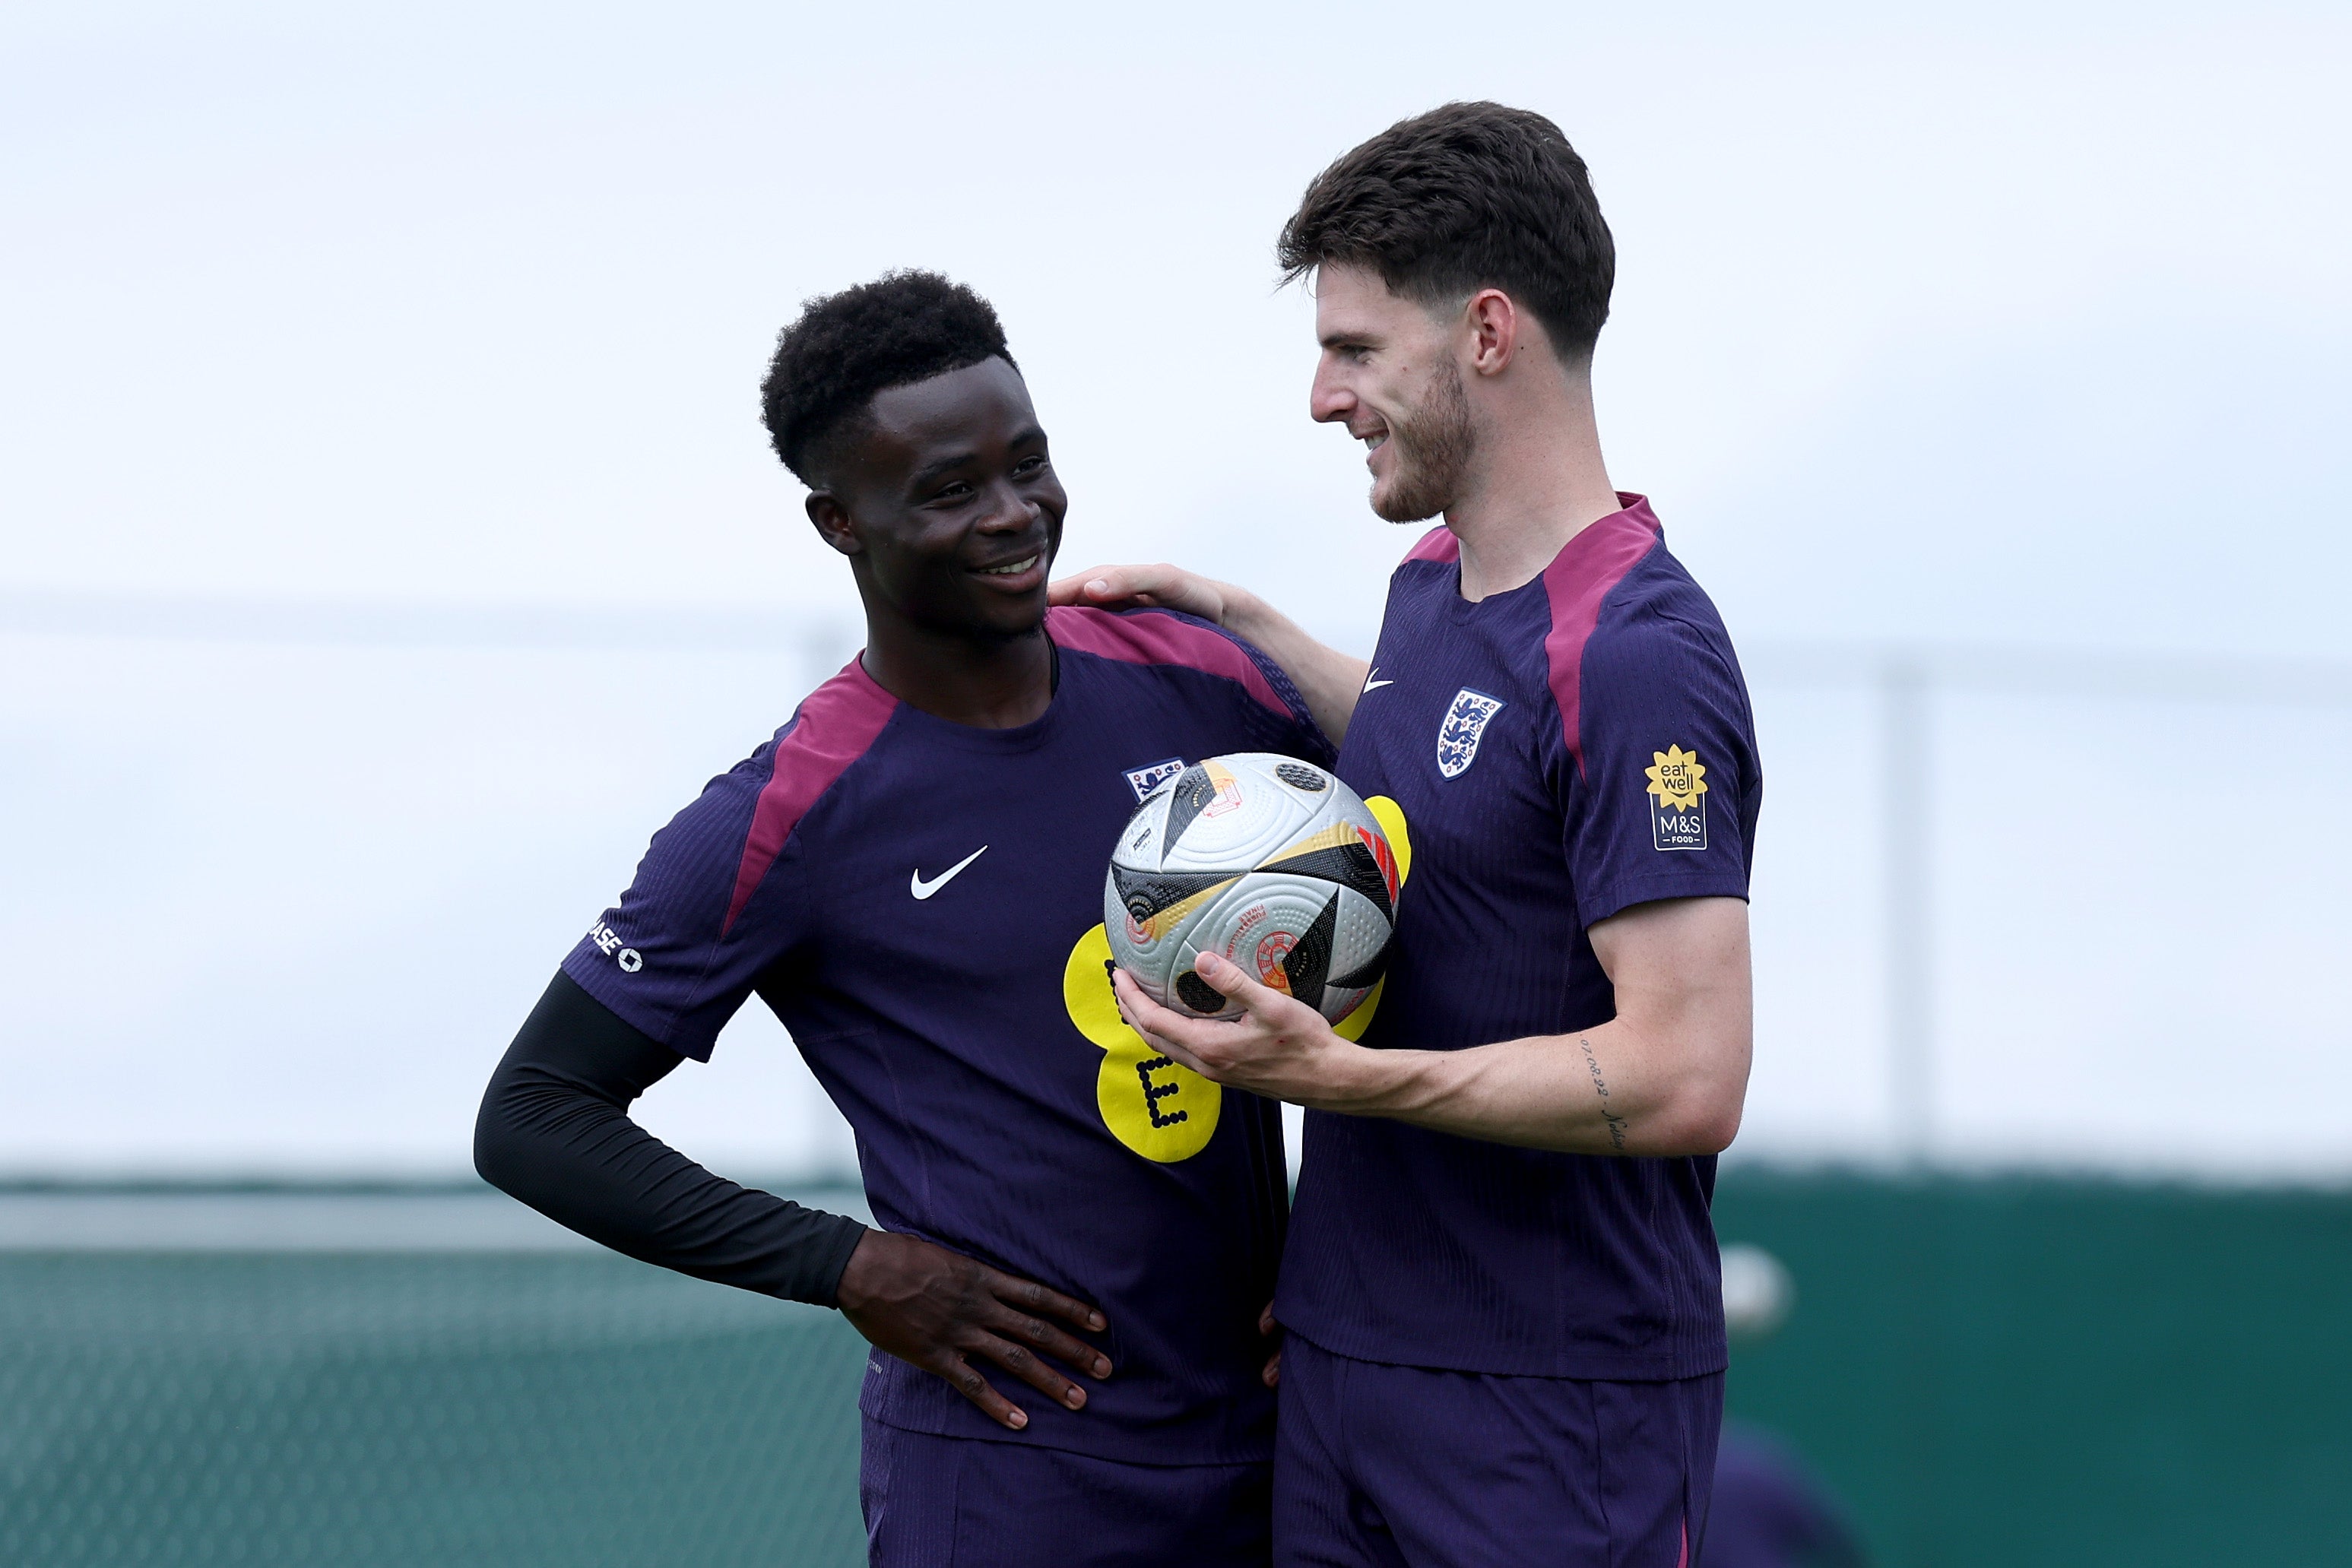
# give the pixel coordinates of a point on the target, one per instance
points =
(2021, 1373)
(2007, 1372)
(317, 1409)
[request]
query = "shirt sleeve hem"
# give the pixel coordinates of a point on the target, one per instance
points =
(590, 978)
(1612, 898)
(833, 1262)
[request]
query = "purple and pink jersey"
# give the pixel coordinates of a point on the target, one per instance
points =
(1558, 753)
(920, 902)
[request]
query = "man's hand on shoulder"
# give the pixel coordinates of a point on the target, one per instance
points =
(1329, 680)
(1161, 587)
(936, 1309)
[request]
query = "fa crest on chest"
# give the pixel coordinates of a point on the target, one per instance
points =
(1463, 725)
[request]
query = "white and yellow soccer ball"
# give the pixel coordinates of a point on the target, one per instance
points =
(1267, 861)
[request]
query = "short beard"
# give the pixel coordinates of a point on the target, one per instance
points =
(1434, 452)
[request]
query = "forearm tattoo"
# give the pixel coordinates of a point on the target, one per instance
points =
(1601, 1087)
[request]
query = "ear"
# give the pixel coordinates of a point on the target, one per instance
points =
(1495, 331)
(834, 523)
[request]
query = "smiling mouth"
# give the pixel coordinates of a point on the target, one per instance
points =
(1374, 442)
(1011, 567)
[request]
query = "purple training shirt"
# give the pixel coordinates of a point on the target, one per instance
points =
(1558, 753)
(920, 902)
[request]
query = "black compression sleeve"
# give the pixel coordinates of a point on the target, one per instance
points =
(554, 1131)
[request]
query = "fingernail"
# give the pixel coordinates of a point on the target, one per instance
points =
(1018, 1419)
(1102, 1368)
(1095, 1322)
(1098, 585)
(1206, 963)
(1077, 1398)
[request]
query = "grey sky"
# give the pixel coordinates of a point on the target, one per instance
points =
(2019, 325)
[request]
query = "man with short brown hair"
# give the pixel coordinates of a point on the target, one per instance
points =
(1501, 1286)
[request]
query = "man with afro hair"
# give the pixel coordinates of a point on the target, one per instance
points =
(1075, 1237)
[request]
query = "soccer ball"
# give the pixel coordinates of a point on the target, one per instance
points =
(1264, 861)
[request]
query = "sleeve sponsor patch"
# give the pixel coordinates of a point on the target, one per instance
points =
(608, 940)
(1677, 792)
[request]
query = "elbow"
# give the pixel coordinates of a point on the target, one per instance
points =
(1698, 1124)
(1713, 1133)
(1703, 1104)
(494, 1159)
(488, 1158)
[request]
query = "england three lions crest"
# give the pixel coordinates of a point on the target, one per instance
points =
(1465, 722)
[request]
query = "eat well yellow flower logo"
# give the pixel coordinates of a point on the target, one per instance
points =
(1677, 778)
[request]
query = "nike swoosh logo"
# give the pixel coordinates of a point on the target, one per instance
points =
(922, 889)
(1372, 685)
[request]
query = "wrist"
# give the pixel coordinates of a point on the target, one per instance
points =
(1359, 1082)
(1241, 612)
(855, 1287)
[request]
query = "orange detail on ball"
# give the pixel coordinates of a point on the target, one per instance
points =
(1270, 954)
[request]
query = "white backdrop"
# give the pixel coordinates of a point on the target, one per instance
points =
(329, 341)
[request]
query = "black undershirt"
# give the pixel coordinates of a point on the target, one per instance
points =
(554, 1131)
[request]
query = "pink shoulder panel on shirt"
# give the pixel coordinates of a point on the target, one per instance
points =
(837, 723)
(1437, 544)
(1160, 640)
(1576, 580)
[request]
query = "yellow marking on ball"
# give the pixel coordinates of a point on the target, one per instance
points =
(1360, 1017)
(1176, 913)
(1391, 816)
(1330, 838)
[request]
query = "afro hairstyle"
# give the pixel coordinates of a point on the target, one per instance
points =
(902, 328)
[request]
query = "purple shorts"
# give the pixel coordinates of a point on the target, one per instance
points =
(1404, 1466)
(970, 1502)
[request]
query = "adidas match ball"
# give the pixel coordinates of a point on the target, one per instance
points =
(1262, 859)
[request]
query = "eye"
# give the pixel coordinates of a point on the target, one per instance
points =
(953, 490)
(1029, 464)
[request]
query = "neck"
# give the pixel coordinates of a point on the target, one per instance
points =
(988, 682)
(1537, 482)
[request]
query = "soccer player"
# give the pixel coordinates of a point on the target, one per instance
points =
(910, 876)
(1501, 1287)
(1771, 1511)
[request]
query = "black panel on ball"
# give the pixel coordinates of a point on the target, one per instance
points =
(1363, 978)
(1198, 994)
(1350, 866)
(1194, 792)
(1146, 892)
(1307, 963)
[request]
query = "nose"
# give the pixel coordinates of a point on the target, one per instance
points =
(1009, 511)
(1330, 398)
